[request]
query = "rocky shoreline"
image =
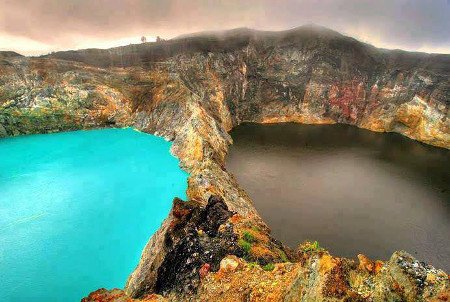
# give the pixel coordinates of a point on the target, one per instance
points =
(193, 91)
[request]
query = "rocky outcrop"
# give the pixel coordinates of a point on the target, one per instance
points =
(193, 90)
(322, 277)
(41, 96)
(192, 242)
(316, 277)
(117, 295)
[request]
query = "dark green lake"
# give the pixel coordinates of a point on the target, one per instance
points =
(353, 190)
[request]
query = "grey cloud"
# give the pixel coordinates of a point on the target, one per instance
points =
(410, 24)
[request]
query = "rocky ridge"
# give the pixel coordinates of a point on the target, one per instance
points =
(193, 90)
(9, 54)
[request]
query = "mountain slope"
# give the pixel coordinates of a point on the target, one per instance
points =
(9, 54)
(304, 37)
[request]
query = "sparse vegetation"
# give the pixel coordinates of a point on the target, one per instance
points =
(283, 256)
(268, 267)
(247, 241)
(312, 247)
(246, 246)
(256, 229)
(248, 237)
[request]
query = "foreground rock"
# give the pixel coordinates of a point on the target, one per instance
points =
(202, 259)
(193, 91)
(117, 295)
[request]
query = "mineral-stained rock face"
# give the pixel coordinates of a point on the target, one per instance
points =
(193, 90)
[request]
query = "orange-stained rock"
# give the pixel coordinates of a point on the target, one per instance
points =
(204, 270)
(118, 295)
(365, 263)
(229, 264)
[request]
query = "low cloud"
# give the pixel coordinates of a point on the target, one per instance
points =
(409, 24)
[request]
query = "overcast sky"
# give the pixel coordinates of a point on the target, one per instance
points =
(40, 26)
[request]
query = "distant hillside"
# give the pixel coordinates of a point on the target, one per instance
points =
(203, 42)
(329, 45)
(9, 54)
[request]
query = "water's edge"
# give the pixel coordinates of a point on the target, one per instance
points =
(300, 177)
(119, 192)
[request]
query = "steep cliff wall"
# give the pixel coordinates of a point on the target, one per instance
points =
(193, 90)
(309, 75)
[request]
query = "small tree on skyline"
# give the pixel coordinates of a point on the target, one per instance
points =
(143, 39)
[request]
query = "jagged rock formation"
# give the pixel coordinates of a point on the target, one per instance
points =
(193, 90)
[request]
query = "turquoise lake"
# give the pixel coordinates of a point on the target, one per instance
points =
(77, 208)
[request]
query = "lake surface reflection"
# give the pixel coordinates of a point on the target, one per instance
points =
(353, 190)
